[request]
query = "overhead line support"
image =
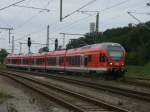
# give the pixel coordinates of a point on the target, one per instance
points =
(9, 31)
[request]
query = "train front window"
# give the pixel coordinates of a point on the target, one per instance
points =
(116, 55)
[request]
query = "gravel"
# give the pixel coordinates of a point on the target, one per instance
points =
(24, 99)
(131, 104)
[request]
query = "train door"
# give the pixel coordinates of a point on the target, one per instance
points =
(102, 59)
(85, 60)
(85, 63)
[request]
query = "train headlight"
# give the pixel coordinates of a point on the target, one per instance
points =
(110, 63)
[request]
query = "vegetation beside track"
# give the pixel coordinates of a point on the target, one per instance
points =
(139, 71)
(2, 67)
(4, 96)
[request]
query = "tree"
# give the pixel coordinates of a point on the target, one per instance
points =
(3, 54)
(134, 39)
(43, 49)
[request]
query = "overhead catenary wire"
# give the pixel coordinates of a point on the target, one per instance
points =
(145, 13)
(31, 7)
(143, 24)
(113, 6)
(32, 17)
(79, 9)
(11, 5)
(20, 12)
(74, 22)
(103, 10)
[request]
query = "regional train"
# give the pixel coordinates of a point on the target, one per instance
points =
(102, 58)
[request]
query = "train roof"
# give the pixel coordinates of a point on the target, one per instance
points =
(54, 53)
(12, 55)
(93, 47)
(87, 48)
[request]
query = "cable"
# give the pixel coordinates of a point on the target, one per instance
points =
(12, 4)
(115, 5)
(32, 17)
(138, 20)
(146, 13)
(39, 31)
(20, 11)
(74, 22)
(90, 15)
(31, 7)
(78, 9)
(83, 17)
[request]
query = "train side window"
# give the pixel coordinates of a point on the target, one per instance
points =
(102, 58)
(32, 61)
(61, 60)
(39, 61)
(52, 61)
(25, 61)
(89, 58)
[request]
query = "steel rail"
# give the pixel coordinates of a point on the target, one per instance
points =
(86, 98)
(40, 90)
(113, 89)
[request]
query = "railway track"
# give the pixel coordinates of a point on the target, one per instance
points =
(121, 91)
(69, 99)
(138, 81)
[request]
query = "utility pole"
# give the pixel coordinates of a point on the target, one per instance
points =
(47, 42)
(64, 37)
(9, 31)
(12, 51)
(20, 47)
(97, 23)
(60, 10)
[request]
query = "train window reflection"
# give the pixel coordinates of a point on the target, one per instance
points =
(116, 55)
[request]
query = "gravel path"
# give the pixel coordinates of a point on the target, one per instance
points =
(24, 99)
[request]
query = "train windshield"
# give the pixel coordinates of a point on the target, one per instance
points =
(116, 52)
(116, 55)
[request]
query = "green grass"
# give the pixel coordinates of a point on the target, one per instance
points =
(4, 97)
(139, 71)
(2, 67)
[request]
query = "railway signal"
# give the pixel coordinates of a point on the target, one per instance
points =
(56, 44)
(29, 44)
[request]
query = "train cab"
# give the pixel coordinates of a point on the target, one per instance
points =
(115, 57)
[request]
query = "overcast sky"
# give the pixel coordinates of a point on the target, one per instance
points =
(30, 22)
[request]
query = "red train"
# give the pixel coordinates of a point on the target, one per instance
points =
(102, 58)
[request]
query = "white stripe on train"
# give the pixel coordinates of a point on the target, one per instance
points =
(75, 69)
